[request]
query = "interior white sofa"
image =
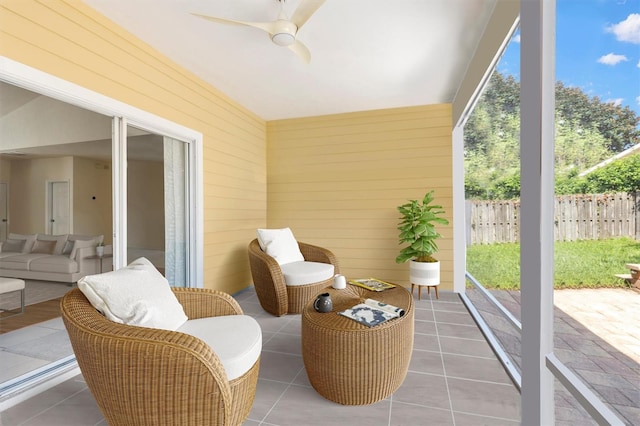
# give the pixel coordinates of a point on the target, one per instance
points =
(61, 258)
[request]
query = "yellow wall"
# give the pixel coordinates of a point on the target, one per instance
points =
(336, 181)
(71, 41)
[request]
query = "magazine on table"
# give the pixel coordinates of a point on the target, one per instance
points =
(372, 284)
(372, 312)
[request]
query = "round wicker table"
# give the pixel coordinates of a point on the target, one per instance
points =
(353, 364)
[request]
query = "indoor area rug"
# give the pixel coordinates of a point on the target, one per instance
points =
(42, 303)
(35, 292)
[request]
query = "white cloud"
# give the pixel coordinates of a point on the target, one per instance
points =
(516, 38)
(638, 65)
(616, 102)
(638, 100)
(611, 59)
(627, 30)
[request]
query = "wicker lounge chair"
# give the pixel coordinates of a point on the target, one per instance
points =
(275, 296)
(145, 376)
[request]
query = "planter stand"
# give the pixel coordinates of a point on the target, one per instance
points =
(424, 274)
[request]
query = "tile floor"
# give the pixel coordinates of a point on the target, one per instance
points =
(32, 347)
(453, 379)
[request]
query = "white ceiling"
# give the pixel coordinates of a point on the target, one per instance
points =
(365, 54)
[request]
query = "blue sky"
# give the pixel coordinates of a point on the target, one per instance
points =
(597, 49)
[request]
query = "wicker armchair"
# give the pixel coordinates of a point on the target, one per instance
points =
(144, 376)
(274, 295)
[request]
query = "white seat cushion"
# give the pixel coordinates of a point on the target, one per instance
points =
(235, 339)
(302, 273)
(20, 262)
(61, 264)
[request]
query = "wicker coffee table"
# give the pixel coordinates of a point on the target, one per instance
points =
(353, 364)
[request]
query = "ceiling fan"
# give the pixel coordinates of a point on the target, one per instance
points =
(283, 31)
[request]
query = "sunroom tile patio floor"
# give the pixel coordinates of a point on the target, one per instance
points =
(454, 379)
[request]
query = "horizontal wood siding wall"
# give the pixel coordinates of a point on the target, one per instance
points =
(336, 181)
(72, 41)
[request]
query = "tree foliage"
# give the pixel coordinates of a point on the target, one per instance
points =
(587, 132)
(621, 175)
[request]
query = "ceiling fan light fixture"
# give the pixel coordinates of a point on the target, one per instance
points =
(283, 39)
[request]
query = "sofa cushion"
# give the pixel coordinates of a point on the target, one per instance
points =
(280, 244)
(4, 254)
(20, 262)
(135, 295)
(13, 246)
(28, 238)
(235, 339)
(57, 264)
(72, 238)
(59, 241)
(78, 244)
(43, 247)
(302, 273)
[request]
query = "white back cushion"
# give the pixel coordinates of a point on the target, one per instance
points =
(135, 295)
(78, 244)
(280, 244)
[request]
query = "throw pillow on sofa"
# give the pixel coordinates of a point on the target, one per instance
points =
(29, 240)
(43, 247)
(13, 246)
(78, 244)
(135, 295)
(58, 240)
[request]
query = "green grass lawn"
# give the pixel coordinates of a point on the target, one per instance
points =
(592, 263)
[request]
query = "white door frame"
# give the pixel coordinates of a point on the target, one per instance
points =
(38, 81)
(4, 215)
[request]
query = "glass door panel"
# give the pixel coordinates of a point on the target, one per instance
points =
(157, 203)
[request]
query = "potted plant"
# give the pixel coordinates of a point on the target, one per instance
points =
(418, 232)
(100, 249)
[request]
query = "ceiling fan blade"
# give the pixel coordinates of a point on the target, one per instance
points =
(304, 11)
(301, 50)
(266, 26)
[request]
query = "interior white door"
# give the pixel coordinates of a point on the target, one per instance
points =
(59, 207)
(4, 211)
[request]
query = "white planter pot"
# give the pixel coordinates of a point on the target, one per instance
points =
(424, 273)
(100, 251)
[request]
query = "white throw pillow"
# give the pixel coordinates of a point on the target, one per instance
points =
(43, 247)
(29, 239)
(60, 241)
(13, 246)
(135, 295)
(280, 244)
(78, 244)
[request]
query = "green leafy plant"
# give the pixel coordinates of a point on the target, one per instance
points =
(418, 231)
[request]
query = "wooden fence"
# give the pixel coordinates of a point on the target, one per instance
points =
(576, 217)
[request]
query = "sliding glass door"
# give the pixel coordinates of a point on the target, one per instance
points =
(138, 184)
(157, 203)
